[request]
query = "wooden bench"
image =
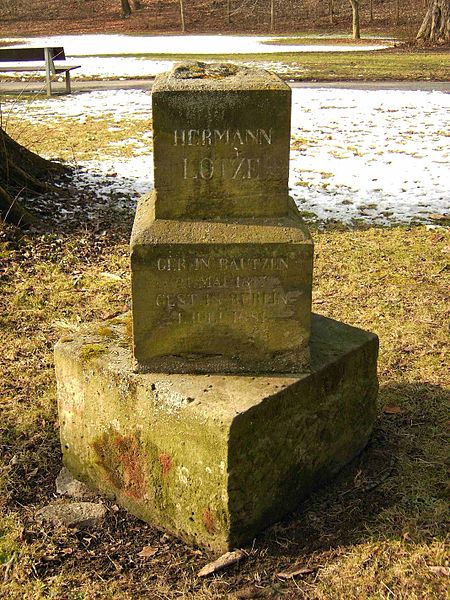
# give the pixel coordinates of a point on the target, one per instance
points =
(44, 58)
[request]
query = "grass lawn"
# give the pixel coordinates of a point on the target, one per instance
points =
(337, 66)
(376, 65)
(377, 532)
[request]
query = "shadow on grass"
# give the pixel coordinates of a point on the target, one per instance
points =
(395, 486)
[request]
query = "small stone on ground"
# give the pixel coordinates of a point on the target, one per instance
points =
(81, 515)
(67, 485)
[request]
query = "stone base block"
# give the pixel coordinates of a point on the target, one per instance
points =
(221, 296)
(212, 459)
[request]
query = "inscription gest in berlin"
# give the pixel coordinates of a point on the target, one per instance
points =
(215, 289)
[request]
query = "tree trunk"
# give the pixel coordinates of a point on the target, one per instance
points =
(397, 12)
(228, 12)
(370, 11)
(355, 19)
(182, 21)
(272, 14)
(22, 174)
(331, 11)
(435, 28)
(126, 8)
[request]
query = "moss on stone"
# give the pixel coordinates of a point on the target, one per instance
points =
(105, 331)
(90, 351)
(214, 458)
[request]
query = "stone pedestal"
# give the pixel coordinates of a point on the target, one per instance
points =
(225, 402)
(213, 459)
(224, 297)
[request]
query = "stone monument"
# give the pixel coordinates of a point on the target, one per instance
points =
(221, 261)
(229, 401)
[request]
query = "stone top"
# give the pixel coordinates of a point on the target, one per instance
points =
(200, 76)
(221, 142)
(233, 395)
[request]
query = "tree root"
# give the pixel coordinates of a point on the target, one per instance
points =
(13, 212)
(22, 174)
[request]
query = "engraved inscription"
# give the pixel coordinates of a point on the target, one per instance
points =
(272, 263)
(238, 168)
(214, 289)
(210, 137)
(227, 168)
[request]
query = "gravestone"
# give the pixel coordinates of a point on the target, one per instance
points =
(225, 401)
(221, 261)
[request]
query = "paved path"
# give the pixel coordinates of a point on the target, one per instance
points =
(20, 87)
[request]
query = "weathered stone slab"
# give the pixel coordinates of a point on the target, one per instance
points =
(212, 458)
(228, 297)
(221, 142)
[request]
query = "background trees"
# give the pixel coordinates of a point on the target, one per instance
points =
(126, 7)
(355, 19)
(237, 16)
(435, 28)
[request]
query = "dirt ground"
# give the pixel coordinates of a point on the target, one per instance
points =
(42, 17)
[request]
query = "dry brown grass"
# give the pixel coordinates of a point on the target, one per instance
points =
(373, 533)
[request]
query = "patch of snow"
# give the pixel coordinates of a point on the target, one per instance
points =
(120, 45)
(379, 156)
(100, 68)
(108, 104)
(106, 56)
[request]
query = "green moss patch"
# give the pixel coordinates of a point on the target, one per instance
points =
(90, 351)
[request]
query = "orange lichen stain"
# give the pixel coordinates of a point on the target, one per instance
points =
(120, 458)
(208, 521)
(166, 463)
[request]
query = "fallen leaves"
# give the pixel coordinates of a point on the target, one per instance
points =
(148, 552)
(437, 217)
(111, 276)
(392, 409)
(296, 571)
(442, 571)
(226, 560)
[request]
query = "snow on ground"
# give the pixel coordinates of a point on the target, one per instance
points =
(100, 68)
(120, 45)
(378, 156)
(106, 56)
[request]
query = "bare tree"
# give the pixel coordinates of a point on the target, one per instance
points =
(397, 12)
(272, 14)
(355, 19)
(331, 11)
(435, 28)
(182, 20)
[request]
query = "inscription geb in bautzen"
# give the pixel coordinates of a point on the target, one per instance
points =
(214, 290)
(234, 154)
